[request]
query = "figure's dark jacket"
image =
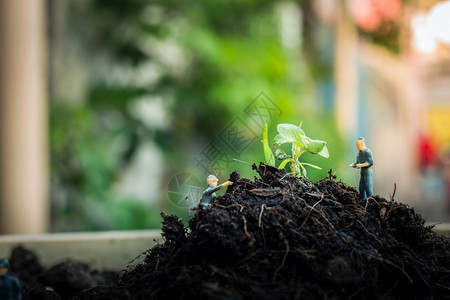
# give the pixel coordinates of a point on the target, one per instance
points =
(209, 194)
(365, 156)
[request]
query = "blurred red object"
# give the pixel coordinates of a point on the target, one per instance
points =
(369, 15)
(427, 151)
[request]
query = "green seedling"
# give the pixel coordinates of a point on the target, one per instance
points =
(268, 154)
(291, 134)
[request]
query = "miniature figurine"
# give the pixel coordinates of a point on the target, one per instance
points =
(9, 286)
(364, 161)
(209, 194)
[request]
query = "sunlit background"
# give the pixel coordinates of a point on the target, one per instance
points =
(112, 111)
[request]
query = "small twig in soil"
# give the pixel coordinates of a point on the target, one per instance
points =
(310, 212)
(245, 182)
(284, 257)
(239, 262)
(331, 196)
(232, 205)
(375, 201)
(241, 161)
(318, 222)
(326, 219)
(392, 264)
(305, 252)
(262, 182)
(252, 239)
(338, 168)
(223, 272)
(283, 177)
(260, 223)
(367, 203)
(157, 264)
(393, 193)
(442, 286)
(392, 288)
(373, 235)
(331, 176)
(420, 274)
(314, 195)
(354, 294)
(134, 259)
(391, 237)
(260, 215)
(264, 237)
(276, 221)
(379, 258)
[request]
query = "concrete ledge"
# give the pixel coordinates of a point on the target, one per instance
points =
(111, 250)
(442, 229)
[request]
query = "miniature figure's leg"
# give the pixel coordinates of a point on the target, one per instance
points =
(368, 184)
(365, 185)
(362, 190)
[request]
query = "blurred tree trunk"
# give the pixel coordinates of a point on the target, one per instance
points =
(346, 73)
(23, 118)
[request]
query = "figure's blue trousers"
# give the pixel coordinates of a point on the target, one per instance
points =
(366, 184)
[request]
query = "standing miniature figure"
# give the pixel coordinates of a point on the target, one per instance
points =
(209, 194)
(9, 286)
(364, 161)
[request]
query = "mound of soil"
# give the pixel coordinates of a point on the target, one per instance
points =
(280, 237)
(61, 281)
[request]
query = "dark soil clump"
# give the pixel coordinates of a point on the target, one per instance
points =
(281, 237)
(61, 281)
(277, 237)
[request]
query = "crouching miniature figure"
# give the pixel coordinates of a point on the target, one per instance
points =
(9, 286)
(364, 161)
(209, 195)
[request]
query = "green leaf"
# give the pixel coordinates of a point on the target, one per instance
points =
(315, 146)
(281, 139)
(288, 133)
(280, 154)
(268, 154)
(324, 152)
(283, 163)
(312, 166)
(290, 130)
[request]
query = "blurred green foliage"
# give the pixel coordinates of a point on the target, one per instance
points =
(206, 61)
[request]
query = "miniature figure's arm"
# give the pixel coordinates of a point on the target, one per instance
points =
(358, 166)
(368, 163)
(226, 183)
(210, 191)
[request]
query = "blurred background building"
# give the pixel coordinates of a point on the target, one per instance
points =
(111, 111)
